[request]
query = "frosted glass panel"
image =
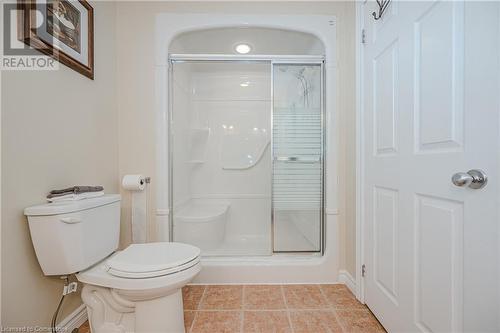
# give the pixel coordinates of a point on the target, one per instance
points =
(297, 158)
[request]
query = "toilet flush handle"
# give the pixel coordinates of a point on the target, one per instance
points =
(71, 220)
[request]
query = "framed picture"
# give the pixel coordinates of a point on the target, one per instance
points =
(62, 29)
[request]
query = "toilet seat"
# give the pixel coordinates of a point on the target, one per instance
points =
(141, 274)
(139, 261)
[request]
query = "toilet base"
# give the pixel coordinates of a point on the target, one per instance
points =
(112, 310)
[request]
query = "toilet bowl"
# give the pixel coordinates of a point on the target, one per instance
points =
(137, 289)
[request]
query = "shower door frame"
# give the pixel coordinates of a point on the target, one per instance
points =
(306, 60)
(299, 62)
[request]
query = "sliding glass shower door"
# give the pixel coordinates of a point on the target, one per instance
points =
(297, 155)
(221, 163)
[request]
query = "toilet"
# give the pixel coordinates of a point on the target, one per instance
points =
(137, 289)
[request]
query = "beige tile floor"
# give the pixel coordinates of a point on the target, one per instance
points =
(328, 308)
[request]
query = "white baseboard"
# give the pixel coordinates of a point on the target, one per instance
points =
(348, 280)
(74, 319)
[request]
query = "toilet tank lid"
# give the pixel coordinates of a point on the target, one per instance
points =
(63, 207)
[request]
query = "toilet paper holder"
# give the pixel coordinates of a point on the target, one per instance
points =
(146, 180)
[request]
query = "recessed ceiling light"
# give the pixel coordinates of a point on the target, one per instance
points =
(243, 48)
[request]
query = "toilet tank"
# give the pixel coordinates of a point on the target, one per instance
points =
(71, 236)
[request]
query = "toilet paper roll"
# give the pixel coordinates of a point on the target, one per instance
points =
(139, 216)
(133, 182)
(136, 184)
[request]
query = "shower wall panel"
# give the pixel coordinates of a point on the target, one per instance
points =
(230, 109)
(181, 131)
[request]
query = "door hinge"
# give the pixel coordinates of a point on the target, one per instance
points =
(363, 36)
(363, 270)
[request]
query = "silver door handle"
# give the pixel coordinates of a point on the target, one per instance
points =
(474, 178)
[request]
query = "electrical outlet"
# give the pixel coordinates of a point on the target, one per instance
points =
(70, 288)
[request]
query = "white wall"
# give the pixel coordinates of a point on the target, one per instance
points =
(347, 135)
(136, 91)
(58, 129)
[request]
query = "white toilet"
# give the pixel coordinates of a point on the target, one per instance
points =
(134, 290)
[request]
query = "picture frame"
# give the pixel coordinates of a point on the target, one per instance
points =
(61, 29)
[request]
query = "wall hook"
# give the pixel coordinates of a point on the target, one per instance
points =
(382, 6)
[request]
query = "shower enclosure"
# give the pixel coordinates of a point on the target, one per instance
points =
(246, 150)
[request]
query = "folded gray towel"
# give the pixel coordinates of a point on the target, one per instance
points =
(75, 190)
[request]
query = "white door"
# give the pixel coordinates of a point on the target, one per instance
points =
(431, 109)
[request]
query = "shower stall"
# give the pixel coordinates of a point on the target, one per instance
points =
(247, 152)
(249, 158)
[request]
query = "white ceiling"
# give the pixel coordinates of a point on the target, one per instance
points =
(262, 40)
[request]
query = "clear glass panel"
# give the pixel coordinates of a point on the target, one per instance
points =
(221, 169)
(297, 193)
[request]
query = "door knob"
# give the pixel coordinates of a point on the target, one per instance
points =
(474, 178)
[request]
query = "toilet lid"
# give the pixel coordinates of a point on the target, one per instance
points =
(152, 259)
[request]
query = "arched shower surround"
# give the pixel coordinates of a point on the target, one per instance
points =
(292, 268)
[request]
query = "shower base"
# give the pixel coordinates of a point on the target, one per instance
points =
(261, 245)
(254, 245)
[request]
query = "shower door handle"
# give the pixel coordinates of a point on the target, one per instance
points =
(297, 159)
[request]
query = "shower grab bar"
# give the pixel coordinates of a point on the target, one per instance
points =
(297, 159)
